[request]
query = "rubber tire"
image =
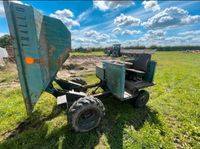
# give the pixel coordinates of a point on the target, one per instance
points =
(114, 54)
(82, 104)
(142, 99)
(79, 81)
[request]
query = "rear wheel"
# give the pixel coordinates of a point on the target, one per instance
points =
(142, 99)
(86, 114)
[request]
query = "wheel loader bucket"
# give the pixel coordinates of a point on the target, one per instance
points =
(41, 45)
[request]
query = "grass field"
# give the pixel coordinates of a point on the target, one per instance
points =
(170, 120)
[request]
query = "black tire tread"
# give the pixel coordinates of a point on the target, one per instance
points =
(137, 102)
(81, 104)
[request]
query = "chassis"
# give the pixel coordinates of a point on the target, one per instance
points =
(85, 112)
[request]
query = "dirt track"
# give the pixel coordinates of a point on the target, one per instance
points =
(77, 65)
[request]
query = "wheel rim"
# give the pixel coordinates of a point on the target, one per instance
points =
(143, 99)
(88, 119)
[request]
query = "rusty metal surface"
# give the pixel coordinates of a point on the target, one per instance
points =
(10, 51)
(41, 44)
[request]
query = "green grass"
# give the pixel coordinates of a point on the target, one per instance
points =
(96, 53)
(7, 76)
(170, 120)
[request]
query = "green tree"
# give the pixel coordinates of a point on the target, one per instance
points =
(5, 40)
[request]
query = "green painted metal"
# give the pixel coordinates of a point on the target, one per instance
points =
(41, 45)
(115, 78)
(100, 73)
(149, 76)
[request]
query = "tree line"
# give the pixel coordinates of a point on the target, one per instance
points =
(4, 41)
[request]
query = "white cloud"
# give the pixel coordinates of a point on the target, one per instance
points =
(84, 14)
(116, 30)
(191, 19)
(128, 43)
(91, 33)
(174, 41)
(171, 17)
(124, 20)
(194, 32)
(130, 32)
(109, 5)
(90, 38)
(113, 41)
(179, 40)
(101, 37)
(151, 5)
(153, 36)
(85, 40)
(64, 12)
(2, 34)
(156, 33)
(159, 37)
(2, 14)
(18, 2)
(78, 39)
(65, 16)
(197, 39)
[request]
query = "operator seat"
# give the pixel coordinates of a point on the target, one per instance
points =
(135, 73)
(140, 65)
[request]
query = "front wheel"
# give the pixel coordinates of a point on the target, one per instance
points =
(86, 114)
(142, 99)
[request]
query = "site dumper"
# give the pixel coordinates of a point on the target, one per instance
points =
(42, 44)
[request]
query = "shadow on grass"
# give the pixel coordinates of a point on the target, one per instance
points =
(33, 122)
(34, 132)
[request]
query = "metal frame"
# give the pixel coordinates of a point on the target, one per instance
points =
(74, 91)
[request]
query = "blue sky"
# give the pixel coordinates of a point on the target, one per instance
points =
(102, 23)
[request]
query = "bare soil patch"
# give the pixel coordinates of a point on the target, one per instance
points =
(73, 66)
(79, 65)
